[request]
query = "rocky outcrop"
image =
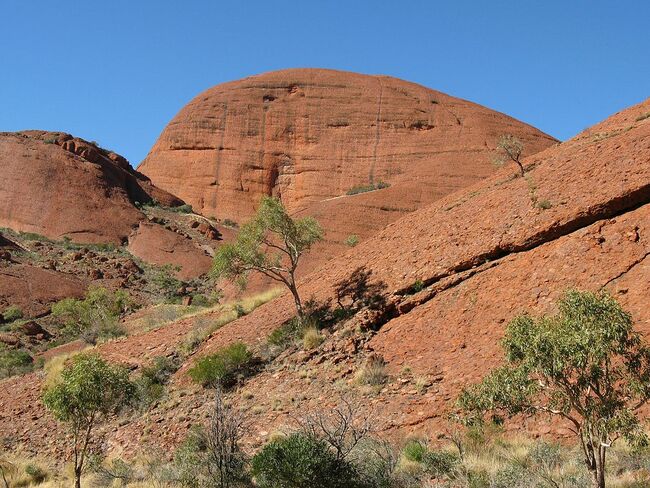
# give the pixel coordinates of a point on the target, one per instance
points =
(56, 185)
(157, 245)
(309, 136)
(448, 278)
(33, 289)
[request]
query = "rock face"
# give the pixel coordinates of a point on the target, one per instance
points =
(308, 136)
(579, 218)
(157, 245)
(59, 186)
(34, 289)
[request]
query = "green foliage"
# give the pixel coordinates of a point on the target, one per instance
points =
(14, 361)
(437, 463)
(89, 387)
(300, 461)
(12, 314)
(416, 287)
(272, 244)
(95, 317)
(415, 450)
(352, 240)
(166, 282)
(355, 190)
(223, 367)
(585, 364)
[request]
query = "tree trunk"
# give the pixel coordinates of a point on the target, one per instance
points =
(521, 168)
(77, 478)
(296, 298)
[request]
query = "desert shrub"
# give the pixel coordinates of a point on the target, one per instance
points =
(301, 461)
(544, 204)
(312, 338)
(352, 240)
(512, 476)
(415, 450)
(14, 361)
(230, 223)
(12, 314)
(36, 474)
(223, 367)
(373, 372)
(283, 335)
(166, 283)
(643, 117)
(416, 287)
(152, 380)
(439, 463)
(94, 317)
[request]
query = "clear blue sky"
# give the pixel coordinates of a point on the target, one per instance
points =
(116, 71)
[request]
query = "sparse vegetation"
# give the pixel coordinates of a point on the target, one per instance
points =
(642, 117)
(272, 244)
(373, 372)
(222, 368)
(151, 382)
(230, 224)
(355, 190)
(585, 365)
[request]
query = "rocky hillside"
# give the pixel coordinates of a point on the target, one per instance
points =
(443, 282)
(59, 186)
(311, 136)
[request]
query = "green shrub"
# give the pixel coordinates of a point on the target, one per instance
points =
(440, 463)
(300, 461)
(352, 240)
(415, 450)
(223, 367)
(95, 317)
(165, 281)
(12, 314)
(14, 361)
(36, 474)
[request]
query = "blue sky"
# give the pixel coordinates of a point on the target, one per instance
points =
(117, 71)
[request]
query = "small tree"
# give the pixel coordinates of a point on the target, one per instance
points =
(585, 364)
(272, 244)
(88, 391)
(510, 148)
